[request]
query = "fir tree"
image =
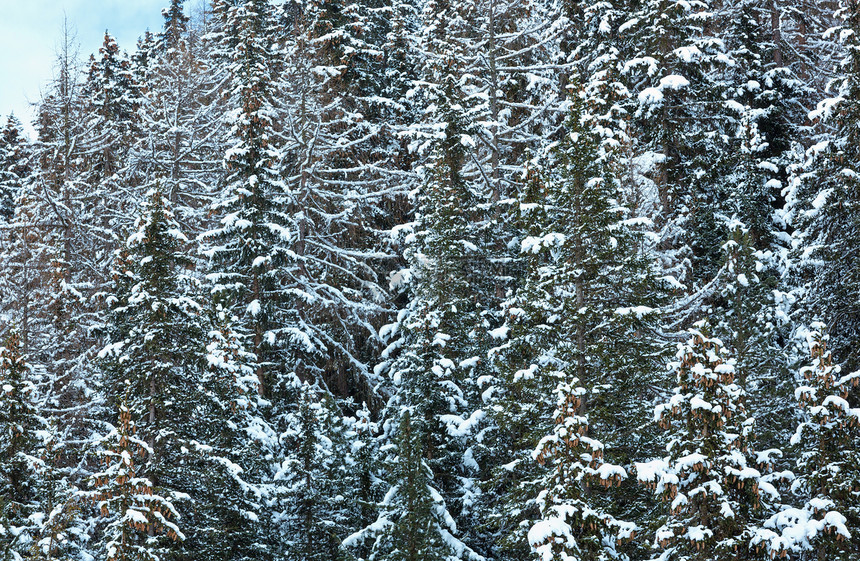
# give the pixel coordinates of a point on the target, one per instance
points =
(251, 241)
(672, 64)
(414, 523)
(572, 527)
(156, 332)
(584, 312)
(315, 516)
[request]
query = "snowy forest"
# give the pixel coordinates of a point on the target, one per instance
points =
(438, 280)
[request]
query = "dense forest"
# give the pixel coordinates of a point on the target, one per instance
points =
(438, 280)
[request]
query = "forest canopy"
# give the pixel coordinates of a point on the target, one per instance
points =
(433, 280)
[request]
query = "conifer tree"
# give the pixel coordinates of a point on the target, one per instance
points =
(828, 477)
(155, 350)
(175, 26)
(440, 339)
(672, 65)
(747, 317)
(236, 443)
(710, 479)
(138, 513)
(19, 423)
(315, 515)
(252, 240)
(572, 526)
(585, 312)
(414, 523)
(823, 201)
(113, 97)
(14, 164)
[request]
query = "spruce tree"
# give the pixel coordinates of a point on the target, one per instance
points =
(414, 523)
(673, 65)
(315, 513)
(155, 350)
(823, 201)
(572, 525)
(585, 311)
(711, 478)
(235, 444)
(138, 513)
(14, 164)
(19, 424)
(828, 478)
(251, 241)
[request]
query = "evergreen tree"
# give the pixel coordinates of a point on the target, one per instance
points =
(14, 164)
(236, 444)
(19, 424)
(252, 240)
(828, 476)
(137, 512)
(572, 528)
(315, 517)
(414, 523)
(584, 312)
(822, 201)
(710, 478)
(673, 64)
(175, 27)
(156, 347)
(747, 316)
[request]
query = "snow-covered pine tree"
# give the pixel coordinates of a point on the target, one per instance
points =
(113, 97)
(671, 64)
(765, 112)
(20, 284)
(140, 517)
(155, 351)
(175, 27)
(823, 201)
(746, 315)
(251, 243)
(414, 523)
(315, 504)
(572, 525)
(62, 517)
(433, 360)
(828, 465)
(711, 479)
(766, 108)
(584, 311)
(102, 191)
(443, 335)
(237, 443)
(365, 479)
(14, 164)
(19, 424)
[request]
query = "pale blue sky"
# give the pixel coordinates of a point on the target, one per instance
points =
(30, 32)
